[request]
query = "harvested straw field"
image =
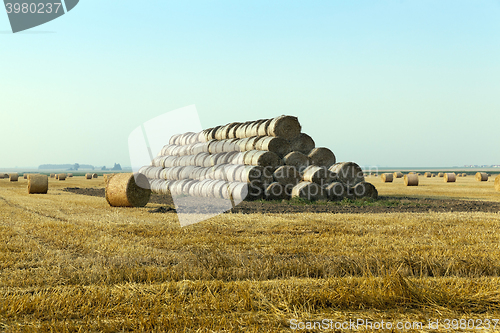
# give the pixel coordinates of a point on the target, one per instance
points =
(418, 253)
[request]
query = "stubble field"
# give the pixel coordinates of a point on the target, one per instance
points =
(69, 262)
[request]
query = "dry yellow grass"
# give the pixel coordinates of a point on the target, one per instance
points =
(70, 262)
(463, 188)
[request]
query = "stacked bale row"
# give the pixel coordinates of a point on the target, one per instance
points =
(268, 158)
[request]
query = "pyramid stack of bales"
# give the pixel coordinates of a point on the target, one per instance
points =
(264, 159)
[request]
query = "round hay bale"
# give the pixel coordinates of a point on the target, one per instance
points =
(251, 143)
(286, 127)
(387, 177)
(428, 175)
(88, 176)
(70, 175)
(497, 183)
(450, 177)
(253, 130)
(302, 143)
(464, 175)
(297, 160)
(279, 146)
(335, 191)
(263, 126)
(2, 176)
(251, 173)
(61, 176)
(459, 175)
(481, 177)
(25, 176)
(319, 175)
(398, 175)
(411, 180)
(238, 191)
(348, 173)
(128, 190)
(174, 139)
(14, 177)
(287, 175)
(265, 159)
(441, 174)
(38, 184)
(308, 190)
(322, 157)
(277, 191)
(365, 190)
(256, 190)
(107, 177)
(433, 175)
(94, 175)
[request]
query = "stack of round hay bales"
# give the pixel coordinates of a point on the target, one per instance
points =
(268, 158)
(411, 179)
(387, 177)
(481, 177)
(398, 174)
(449, 178)
(38, 184)
(497, 183)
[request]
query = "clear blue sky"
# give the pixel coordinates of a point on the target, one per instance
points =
(388, 83)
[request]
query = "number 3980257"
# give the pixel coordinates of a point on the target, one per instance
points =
(33, 8)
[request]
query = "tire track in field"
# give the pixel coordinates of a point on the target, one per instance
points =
(33, 211)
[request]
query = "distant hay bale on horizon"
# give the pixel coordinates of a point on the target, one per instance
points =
(94, 175)
(449, 178)
(387, 177)
(411, 180)
(428, 175)
(398, 174)
(14, 177)
(61, 176)
(481, 177)
(38, 184)
(441, 174)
